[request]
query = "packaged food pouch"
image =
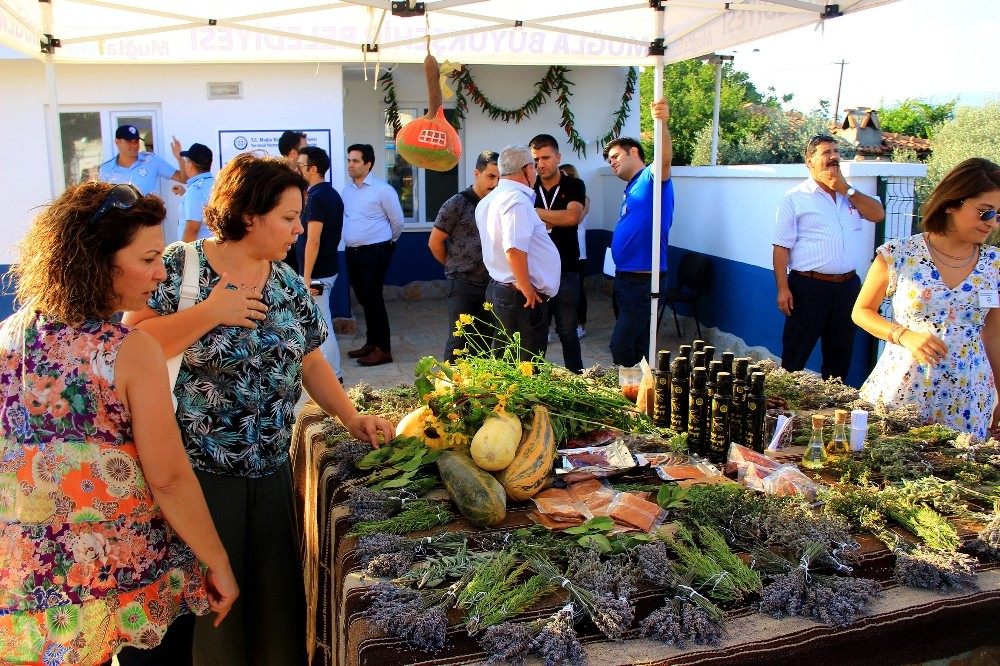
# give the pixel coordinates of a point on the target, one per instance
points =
(741, 456)
(644, 400)
(789, 480)
(637, 512)
(595, 494)
(558, 505)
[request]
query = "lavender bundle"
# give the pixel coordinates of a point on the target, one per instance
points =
(366, 504)
(392, 556)
(553, 638)
(686, 617)
(799, 591)
(347, 453)
(931, 570)
(986, 545)
(418, 617)
(611, 614)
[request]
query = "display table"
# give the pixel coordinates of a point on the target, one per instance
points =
(906, 625)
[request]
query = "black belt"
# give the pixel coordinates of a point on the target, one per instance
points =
(634, 276)
(827, 277)
(513, 287)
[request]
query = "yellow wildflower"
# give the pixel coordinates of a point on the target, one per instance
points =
(526, 368)
(459, 352)
(488, 307)
(465, 319)
(453, 416)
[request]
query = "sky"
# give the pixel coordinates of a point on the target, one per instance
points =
(926, 49)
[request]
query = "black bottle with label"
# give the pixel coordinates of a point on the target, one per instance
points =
(661, 380)
(721, 403)
(709, 355)
(736, 432)
(714, 368)
(727, 361)
(684, 350)
(679, 373)
(697, 413)
(697, 345)
(755, 411)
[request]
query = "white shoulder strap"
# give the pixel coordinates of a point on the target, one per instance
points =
(188, 296)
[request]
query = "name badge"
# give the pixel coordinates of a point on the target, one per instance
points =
(989, 298)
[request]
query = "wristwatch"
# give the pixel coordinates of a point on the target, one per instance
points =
(851, 191)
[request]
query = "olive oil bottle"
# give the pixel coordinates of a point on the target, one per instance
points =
(815, 456)
(698, 434)
(839, 445)
(679, 375)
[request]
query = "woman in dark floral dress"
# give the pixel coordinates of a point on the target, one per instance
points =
(250, 344)
(92, 466)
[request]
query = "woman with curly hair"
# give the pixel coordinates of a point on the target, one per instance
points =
(944, 345)
(250, 345)
(96, 492)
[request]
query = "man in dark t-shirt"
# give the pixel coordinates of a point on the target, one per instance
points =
(316, 248)
(559, 201)
(454, 242)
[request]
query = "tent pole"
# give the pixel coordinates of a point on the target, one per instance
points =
(57, 177)
(657, 191)
(715, 113)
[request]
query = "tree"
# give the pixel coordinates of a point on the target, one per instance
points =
(689, 87)
(914, 117)
(975, 132)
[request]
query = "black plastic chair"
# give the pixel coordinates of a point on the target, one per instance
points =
(691, 276)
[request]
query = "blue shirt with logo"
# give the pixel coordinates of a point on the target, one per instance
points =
(199, 190)
(143, 173)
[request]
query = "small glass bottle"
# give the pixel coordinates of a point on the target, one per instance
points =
(815, 455)
(839, 445)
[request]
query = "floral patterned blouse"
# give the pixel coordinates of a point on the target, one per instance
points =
(88, 564)
(237, 387)
(957, 391)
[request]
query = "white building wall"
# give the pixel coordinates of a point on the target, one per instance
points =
(276, 97)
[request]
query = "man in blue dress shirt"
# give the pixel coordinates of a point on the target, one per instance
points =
(196, 163)
(140, 168)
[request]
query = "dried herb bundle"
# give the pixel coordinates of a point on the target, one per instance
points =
(418, 617)
(803, 389)
(706, 573)
(927, 524)
(942, 571)
(419, 515)
(553, 638)
(397, 400)
(496, 592)
(367, 504)
(986, 545)
(392, 555)
(347, 453)
(610, 614)
(799, 591)
(681, 621)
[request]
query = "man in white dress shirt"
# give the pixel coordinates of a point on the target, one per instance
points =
(373, 222)
(521, 259)
(814, 272)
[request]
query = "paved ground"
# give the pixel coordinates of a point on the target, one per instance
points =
(420, 327)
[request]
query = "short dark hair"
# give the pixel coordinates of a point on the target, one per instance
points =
(67, 266)
(250, 184)
(972, 177)
(626, 142)
(289, 141)
(815, 141)
(486, 158)
(367, 152)
(544, 141)
(318, 158)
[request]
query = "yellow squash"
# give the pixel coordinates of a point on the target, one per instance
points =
(532, 464)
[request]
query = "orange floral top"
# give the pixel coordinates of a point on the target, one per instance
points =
(88, 564)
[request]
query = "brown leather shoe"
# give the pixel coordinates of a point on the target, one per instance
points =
(377, 357)
(363, 351)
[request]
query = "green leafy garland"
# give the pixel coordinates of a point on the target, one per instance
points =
(553, 82)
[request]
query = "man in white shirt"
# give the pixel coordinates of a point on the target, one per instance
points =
(817, 285)
(373, 223)
(521, 259)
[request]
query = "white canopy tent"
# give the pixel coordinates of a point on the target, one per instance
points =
(494, 32)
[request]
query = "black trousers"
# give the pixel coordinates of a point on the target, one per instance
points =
(821, 311)
(366, 269)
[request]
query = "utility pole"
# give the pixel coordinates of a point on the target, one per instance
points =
(836, 105)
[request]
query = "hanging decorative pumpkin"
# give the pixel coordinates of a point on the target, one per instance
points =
(430, 142)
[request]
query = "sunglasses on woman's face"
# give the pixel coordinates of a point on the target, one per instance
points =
(122, 197)
(984, 215)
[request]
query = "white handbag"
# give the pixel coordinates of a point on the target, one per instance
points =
(188, 297)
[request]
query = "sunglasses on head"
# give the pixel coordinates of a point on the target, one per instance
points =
(123, 197)
(984, 215)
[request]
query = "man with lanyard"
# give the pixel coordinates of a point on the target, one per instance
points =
(140, 168)
(521, 259)
(454, 242)
(559, 201)
(196, 163)
(815, 222)
(316, 248)
(632, 242)
(373, 224)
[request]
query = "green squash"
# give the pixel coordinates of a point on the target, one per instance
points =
(478, 496)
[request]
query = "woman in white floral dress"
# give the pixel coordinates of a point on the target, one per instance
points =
(944, 345)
